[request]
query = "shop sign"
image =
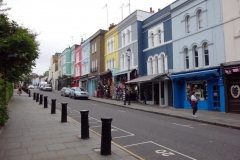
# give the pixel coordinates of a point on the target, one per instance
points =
(233, 70)
(235, 91)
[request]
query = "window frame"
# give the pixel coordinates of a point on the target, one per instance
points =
(196, 57)
(187, 23)
(186, 58)
(152, 39)
(159, 36)
(199, 19)
(205, 48)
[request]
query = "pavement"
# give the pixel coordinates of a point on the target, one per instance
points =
(33, 133)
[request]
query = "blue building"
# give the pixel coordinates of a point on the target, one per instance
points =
(155, 58)
(85, 61)
(198, 51)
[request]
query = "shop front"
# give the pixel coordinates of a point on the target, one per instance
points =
(207, 84)
(106, 82)
(158, 89)
(76, 81)
(92, 85)
(120, 79)
(231, 74)
(84, 81)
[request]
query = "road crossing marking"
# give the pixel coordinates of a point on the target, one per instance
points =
(121, 111)
(163, 152)
(188, 126)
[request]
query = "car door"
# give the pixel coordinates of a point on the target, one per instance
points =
(72, 91)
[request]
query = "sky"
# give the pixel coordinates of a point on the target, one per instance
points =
(62, 23)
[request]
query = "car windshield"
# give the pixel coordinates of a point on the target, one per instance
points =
(77, 89)
(47, 85)
(82, 89)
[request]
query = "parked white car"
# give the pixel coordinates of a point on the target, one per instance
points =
(47, 87)
(31, 87)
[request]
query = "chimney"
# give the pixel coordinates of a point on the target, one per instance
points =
(153, 11)
(150, 9)
(111, 26)
(159, 9)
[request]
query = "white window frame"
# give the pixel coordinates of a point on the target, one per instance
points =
(156, 62)
(187, 19)
(159, 36)
(128, 34)
(92, 48)
(205, 48)
(186, 58)
(196, 56)
(95, 47)
(124, 42)
(152, 39)
(199, 19)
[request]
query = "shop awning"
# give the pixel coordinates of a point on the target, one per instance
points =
(147, 78)
(196, 73)
(124, 72)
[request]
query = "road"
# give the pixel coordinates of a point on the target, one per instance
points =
(154, 137)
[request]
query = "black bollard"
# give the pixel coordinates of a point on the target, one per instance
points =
(53, 107)
(34, 95)
(129, 94)
(40, 100)
(37, 97)
(29, 93)
(45, 102)
(84, 124)
(106, 136)
(64, 112)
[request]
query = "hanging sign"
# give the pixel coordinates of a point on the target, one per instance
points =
(235, 91)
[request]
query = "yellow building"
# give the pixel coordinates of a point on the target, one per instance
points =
(111, 48)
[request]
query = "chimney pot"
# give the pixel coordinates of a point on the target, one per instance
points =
(150, 9)
(159, 9)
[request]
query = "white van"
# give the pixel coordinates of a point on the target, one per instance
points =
(41, 84)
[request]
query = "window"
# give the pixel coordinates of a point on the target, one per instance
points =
(95, 47)
(186, 59)
(199, 87)
(112, 46)
(156, 59)
(122, 62)
(151, 66)
(123, 39)
(77, 57)
(108, 47)
(96, 64)
(72, 70)
(128, 33)
(159, 36)
(112, 63)
(195, 53)
(92, 48)
(163, 63)
(72, 56)
(206, 55)
(199, 19)
(76, 71)
(152, 39)
(187, 24)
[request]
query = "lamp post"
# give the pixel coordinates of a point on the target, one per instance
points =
(128, 54)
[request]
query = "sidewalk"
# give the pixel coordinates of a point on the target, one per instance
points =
(33, 133)
(210, 117)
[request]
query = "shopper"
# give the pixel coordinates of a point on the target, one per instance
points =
(194, 103)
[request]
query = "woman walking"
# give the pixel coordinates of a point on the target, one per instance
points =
(19, 90)
(194, 102)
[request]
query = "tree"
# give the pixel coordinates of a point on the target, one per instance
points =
(18, 51)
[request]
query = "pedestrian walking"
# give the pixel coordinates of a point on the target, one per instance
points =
(145, 94)
(194, 103)
(19, 90)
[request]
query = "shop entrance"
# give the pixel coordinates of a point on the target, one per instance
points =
(156, 93)
(216, 97)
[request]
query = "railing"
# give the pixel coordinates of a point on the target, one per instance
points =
(94, 69)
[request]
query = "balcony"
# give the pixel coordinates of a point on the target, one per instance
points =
(94, 69)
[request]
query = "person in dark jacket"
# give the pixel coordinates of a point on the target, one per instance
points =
(194, 102)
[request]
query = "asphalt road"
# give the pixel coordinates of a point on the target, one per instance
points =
(152, 136)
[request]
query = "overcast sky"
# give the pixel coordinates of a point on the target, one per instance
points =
(61, 23)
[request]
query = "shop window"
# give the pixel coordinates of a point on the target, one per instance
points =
(199, 87)
(206, 54)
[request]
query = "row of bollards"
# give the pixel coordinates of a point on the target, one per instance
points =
(106, 137)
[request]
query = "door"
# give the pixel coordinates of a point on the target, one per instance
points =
(156, 93)
(216, 97)
(162, 99)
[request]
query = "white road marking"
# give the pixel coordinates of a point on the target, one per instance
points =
(68, 108)
(202, 124)
(136, 144)
(114, 130)
(121, 111)
(94, 126)
(188, 126)
(160, 146)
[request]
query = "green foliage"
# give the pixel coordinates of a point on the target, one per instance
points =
(4, 114)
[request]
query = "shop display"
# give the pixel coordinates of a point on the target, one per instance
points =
(200, 88)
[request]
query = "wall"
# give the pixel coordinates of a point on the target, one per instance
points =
(211, 32)
(231, 22)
